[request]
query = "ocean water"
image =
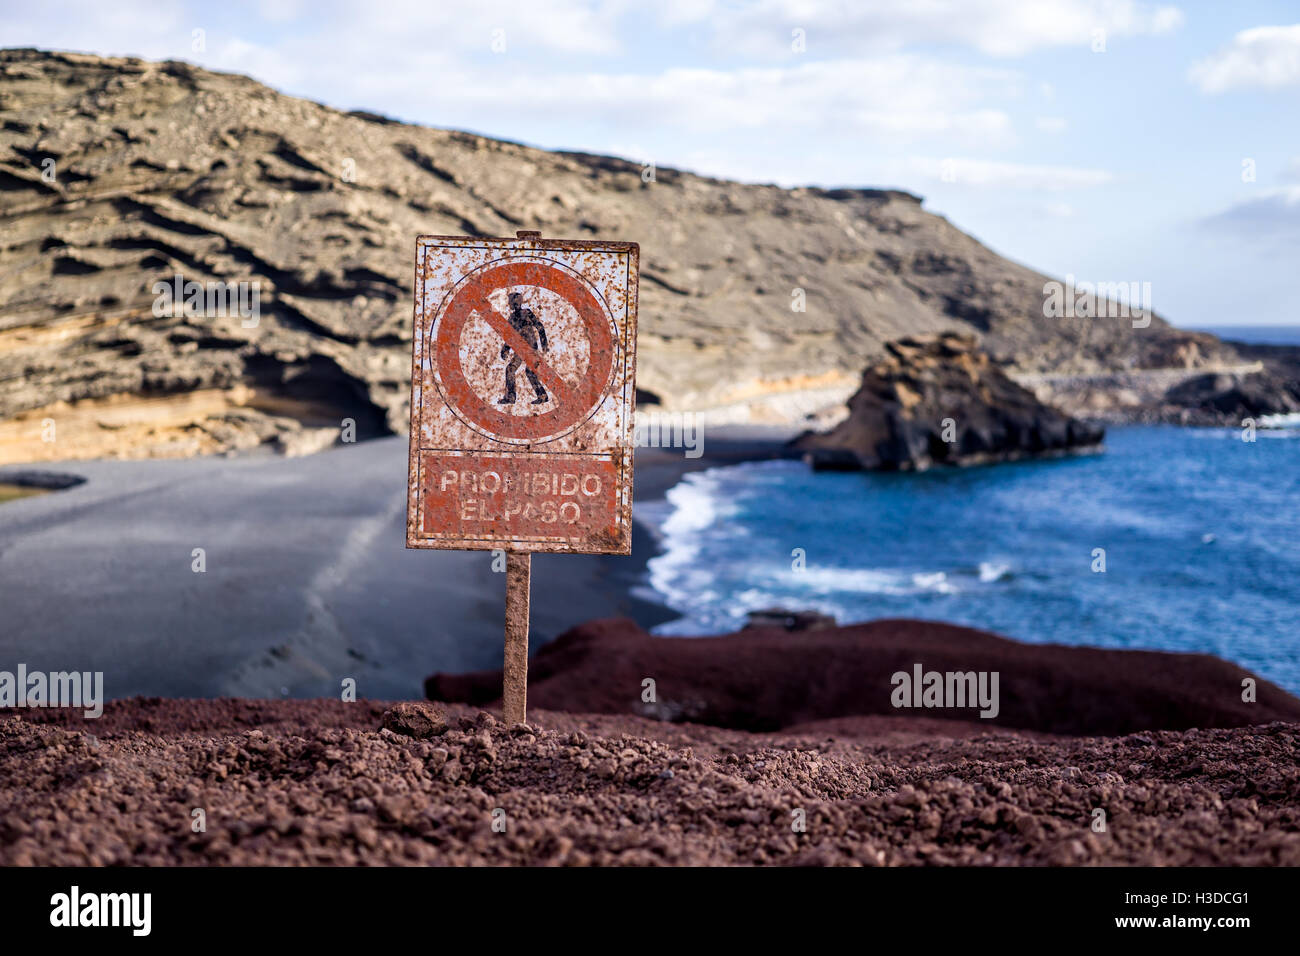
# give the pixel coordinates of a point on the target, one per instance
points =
(1257, 334)
(1200, 532)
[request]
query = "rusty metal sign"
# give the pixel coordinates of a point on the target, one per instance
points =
(522, 393)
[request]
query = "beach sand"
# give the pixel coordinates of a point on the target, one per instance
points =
(306, 579)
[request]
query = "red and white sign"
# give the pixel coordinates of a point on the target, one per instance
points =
(522, 394)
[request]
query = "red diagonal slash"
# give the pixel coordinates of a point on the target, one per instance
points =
(532, 358)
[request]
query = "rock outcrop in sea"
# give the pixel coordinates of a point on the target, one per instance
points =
(939, 400)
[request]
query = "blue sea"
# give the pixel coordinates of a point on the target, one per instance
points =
(1256, 334)
(1200, 532)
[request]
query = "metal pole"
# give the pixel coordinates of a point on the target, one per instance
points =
(519, 570)
(514, 695)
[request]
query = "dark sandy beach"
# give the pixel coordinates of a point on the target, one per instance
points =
(306, 579)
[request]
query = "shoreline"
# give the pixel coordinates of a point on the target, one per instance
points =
(305, 581)
(656, 471)
(998, 548)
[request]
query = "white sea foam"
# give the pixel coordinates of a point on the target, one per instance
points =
(694, 506)
(933, 581)
(852, 581)
(991, 571)
(713, 580)
(1285, 420)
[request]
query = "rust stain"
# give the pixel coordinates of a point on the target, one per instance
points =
(523, 387)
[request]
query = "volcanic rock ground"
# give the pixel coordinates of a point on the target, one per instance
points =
(318, 782)
(842, 778)
(768, 679)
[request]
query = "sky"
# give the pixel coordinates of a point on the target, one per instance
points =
(1109, 140)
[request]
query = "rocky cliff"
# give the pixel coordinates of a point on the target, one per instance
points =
(116, 174)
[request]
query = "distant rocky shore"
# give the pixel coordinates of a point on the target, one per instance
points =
(1263, 382)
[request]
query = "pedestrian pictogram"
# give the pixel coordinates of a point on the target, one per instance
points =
(526, 323)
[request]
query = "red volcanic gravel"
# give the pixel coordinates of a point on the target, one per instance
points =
(319, 782)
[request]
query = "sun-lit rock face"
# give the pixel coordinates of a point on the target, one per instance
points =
(116, 175)
(938, 400)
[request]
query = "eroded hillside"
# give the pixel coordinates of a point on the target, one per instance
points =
(116, 174)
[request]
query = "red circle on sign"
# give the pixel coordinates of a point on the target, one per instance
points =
(574, 404)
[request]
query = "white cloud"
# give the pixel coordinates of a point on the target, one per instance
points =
(368, 39)
(434, 63)
(563, 81)
(128, 27)
(1272, 212)
(1262, 57)
(1058, 210)
(986, 174)
(900, 96)
(995, 27)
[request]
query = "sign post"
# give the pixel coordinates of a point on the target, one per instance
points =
(514, 697)
(523, 384)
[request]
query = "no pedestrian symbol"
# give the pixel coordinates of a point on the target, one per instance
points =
(569, 401)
